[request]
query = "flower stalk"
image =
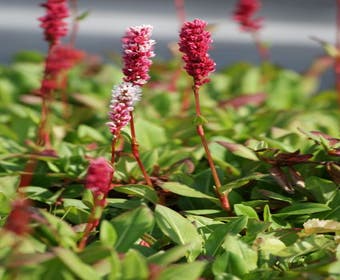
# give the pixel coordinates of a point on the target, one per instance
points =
(137, 51)
(55, 27)
(124, 98)
(98, 181)
(135, 151)
(194, 43)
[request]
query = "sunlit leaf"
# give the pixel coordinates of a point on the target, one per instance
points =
(178, 229)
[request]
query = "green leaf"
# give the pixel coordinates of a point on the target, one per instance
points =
(243, 258)
(57, 230)
(276, 196)
(322, 189)
(216, 239)
(70, 202)
(302, 209)
(142, 191)
(200, 120)
(243, 210)
(131, 225)
(116, 267)
(146, 132)
(134, 266)
(107, 233)
(73, 262)
(187, 191)
(178, 229)
(82, 16)
(5, 206)
(8, 185)
(241, 182)
(150, 160)
(89, 134)
(95, 252)
(188, 271)
(239, 150)
(251, 81)
(169, 256)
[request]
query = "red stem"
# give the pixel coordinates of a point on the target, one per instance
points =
(64, 95)
(91, 224)
(135, 151)
(27, 175)
(89, 227)
(113, 148)
(43, 138)
(43, 131)
(200, 131)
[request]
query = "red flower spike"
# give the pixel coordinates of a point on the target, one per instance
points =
(137, 51)
(194, 43)
(53, 22)
(99, 176)
(244, 13)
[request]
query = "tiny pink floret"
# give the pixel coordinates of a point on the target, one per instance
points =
(99, 176)
(195, 42)
(124, 97)
(244, 13)
(137, 51)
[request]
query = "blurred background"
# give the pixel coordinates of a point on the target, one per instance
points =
(287, 28)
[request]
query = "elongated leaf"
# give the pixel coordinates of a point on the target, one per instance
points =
(140, 191)
(73, 262)
(134, 266)
(169, 256)
(58, 231)
(147, 132)
(116, 267)
(108, 235)
(216, 239)
(322, 189)
(94, 253)
(131, 225)
(239, 150)
(188, 271)
(178, 229)
(241, 182)
(87, 133)
(185, 190)
(244, 210)
(243, 258)
(302, 209)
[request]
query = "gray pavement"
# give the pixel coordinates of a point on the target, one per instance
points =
(287, 27)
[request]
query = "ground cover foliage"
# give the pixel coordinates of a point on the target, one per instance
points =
(273, 139)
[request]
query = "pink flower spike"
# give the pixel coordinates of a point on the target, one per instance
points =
(244, 13)
(53, 22)
(137, 51)
(99, 176)
(194, 43)
(124, 97)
